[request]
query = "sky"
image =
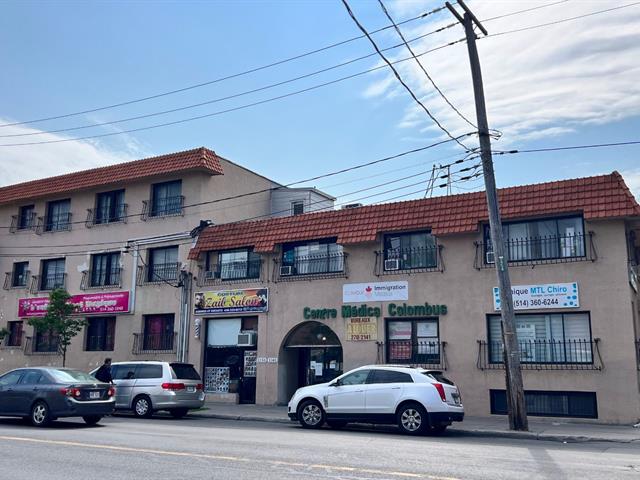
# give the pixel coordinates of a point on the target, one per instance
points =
(567, 84)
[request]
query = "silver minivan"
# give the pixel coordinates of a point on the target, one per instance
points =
(147, 386)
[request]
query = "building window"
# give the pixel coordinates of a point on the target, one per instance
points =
(19, 274)
(100, 334)
(540, 239)
(52, 274)
(14, 339)
(46, 342)
(163, 264)
(58, 216)
(110, 207)
(297, 207)
(233, 264)
(550, 403)
(408, 251)
(105, 269)
(559, 338)
(26, 217)
(166, 199)
(413, 341)
(158, 332)
(324, 256)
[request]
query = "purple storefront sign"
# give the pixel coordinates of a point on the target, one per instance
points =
(90, 303)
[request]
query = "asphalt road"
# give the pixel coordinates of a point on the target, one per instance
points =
(199, 448)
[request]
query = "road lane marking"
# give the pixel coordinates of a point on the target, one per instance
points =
(208, 456)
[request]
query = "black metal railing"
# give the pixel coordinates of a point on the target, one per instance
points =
(231, 272)
(634, 275)
(544, 354)
(540, 250)
(99, 344)
(40, 283)
(16, 281)
(42, 345)
(111, 278)
(416, 354)
(21, 223)
(313, 266)
(153, 343)
(158, 273)
(12, 340)
(59, 222)
(638, 353)
(163, 207)
(106, 215)
(408, 260)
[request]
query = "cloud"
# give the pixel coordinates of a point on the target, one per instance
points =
(20, 164)
(538, 83)
(632, 179)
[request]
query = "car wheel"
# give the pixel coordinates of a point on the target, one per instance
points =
(311, 414)
(178, 412)
(412, 419)
(92, 419)
(336, 424)
(40, 415)
(142, 407)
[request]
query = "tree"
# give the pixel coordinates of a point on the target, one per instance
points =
(60, 321)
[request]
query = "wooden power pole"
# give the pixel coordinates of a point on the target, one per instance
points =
(514, 385)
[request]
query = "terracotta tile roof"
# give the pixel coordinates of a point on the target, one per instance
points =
(201, 159)
(605, 196)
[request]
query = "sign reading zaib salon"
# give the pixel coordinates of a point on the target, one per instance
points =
(86, 304)
(541, 296)
(246, 300)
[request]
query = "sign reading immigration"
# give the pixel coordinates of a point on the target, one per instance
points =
(541, 296)
(86, 304)
(362, 329)
(375, 292)
(246, 300)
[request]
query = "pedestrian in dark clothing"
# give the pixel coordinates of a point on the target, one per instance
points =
(104, 372)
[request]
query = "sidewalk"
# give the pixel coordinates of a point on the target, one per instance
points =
(494, 426)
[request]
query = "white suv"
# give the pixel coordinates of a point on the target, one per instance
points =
(418, 400)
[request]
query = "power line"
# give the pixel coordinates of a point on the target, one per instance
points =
(397, 75)
(210, 82)
(228, 97)
(523, 11)
(241, 107)
(571, 147)
(424, 70)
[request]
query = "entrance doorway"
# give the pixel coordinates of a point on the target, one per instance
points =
(310, 354)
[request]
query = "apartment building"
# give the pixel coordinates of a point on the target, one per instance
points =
(414, 283)
(117, 238)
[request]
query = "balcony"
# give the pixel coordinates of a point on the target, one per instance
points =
(45, 283)
(54, 223)
(42, 345)
(163, 207)
(430, 355)
(106, 215)
(404, 261)
(144, 343)
(231, 272)
(311, 267)
(158, 273)
(26, 223)
(539, 250)
(101, 279)
(13, 283)
(544, 355)
(99, 344)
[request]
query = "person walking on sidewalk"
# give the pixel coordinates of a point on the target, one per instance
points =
(104, 372)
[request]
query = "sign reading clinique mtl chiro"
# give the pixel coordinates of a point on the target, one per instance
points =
(541, 296)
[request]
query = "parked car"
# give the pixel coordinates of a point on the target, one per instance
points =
(146, 387)
(417, 400)
(44, 394)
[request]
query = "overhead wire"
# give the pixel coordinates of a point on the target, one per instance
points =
(490, 19)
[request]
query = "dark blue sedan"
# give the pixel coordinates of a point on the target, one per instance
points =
(44, 394)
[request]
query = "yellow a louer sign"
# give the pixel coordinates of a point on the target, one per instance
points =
(246, 300)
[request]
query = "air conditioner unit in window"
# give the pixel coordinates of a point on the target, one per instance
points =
(490, 257)
(247, 339)
(392, 264)
(286, 270)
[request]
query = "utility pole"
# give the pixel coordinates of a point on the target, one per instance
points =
(514, 385)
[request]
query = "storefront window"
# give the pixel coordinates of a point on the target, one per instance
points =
(413, 341)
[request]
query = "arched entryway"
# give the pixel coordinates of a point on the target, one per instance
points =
(310, 353)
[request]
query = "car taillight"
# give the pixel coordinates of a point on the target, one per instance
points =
(199, 386)
(111, 392)
(173, 386)
(440, 389)
(71, 392)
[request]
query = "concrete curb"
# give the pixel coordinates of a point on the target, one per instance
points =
(549, 437)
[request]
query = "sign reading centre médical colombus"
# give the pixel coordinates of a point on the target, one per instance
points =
(545, 295)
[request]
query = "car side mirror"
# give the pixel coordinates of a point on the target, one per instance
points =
(336, 383)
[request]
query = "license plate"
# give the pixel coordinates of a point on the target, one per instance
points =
(191, 389)
(94, 395)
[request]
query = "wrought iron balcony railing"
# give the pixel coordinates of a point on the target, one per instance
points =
(163, 207)
(416, 354)
(638, 353)
(329, 265)
(395, 261)
(13, 340)
(111, 278)
(23, 223)
(60, 222)
(540, 250)
(12, 281)
(42, 345)
(107, 215)
(144, 343)
(158, 273)
(544, 355)
(231, 272)
(45, 283)
(99, 344)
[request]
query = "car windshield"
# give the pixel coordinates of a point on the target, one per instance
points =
(438, 376)
(184, 371)
(72, 376)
